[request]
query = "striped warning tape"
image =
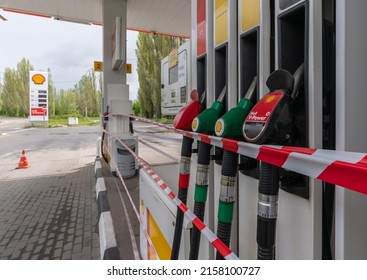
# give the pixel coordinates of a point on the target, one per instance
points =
(132, 236)
(345, 169)
(205, 231)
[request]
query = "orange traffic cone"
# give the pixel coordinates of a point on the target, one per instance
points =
(23, 162)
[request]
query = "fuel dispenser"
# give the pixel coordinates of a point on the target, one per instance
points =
(175, 79)
(254, 58)
(202, 40)
(202, 79)
(283, 34)
(229, 126)
(298, 40)
(225, 73)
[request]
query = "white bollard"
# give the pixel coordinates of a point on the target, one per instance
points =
(98, 148)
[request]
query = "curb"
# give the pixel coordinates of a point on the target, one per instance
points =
(107, 239)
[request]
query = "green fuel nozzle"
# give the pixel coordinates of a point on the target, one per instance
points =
(230, 124)
(205, 122)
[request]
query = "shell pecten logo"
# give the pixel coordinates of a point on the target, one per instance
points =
(38, 79)
(219, 127)
(195, 124)
(269, 99)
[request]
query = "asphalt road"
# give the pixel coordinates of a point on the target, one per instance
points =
(45, 143)
(157, 145)
(8, 125)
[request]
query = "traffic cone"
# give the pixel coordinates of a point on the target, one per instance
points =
(23, 162)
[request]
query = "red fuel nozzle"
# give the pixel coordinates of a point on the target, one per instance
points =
(187, 113)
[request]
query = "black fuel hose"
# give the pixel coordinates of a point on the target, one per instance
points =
(183, 184)
(104, 120)
(201, 190)
(102, 142)
(267, 211)
(226, 198)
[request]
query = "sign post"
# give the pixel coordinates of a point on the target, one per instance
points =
(38, 99)
(44, 110)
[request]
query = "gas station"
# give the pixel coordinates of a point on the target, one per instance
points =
(272, 161)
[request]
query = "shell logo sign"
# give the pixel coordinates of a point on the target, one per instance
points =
(38, 79)
(38, 96)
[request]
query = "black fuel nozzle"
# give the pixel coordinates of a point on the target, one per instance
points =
(222, 94)
(298, 80)
(202, 98)
(269, 122)
(270, 118)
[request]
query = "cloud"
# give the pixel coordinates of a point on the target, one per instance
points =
(68, 49)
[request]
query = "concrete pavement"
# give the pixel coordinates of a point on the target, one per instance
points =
(116, 192)
(49, 211)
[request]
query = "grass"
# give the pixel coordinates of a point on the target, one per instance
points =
(59, 122)
(164, 119)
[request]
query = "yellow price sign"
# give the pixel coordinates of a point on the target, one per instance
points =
(173, 58)
(129, 68)
(98, 66)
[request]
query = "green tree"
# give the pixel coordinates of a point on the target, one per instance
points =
(15, 93)
(66, 103)
(151, 49)
(51, 95)
(100, 82)
(136, 107)
(23, 68)
(88, 96)
(10, 93)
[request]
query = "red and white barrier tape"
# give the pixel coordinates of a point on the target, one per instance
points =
(345, 169)
(129, 226)
(145, 231)
(205, 231)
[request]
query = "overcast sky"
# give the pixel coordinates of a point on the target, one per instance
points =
(68, 49)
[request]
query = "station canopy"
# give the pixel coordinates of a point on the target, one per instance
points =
(170, 17)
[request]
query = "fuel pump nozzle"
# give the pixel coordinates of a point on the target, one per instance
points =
(202, 98)
(183, 120)
(230, 126)
(204, 123)
(298, 80)
(222, 94)
(187, 113)
(269, 122)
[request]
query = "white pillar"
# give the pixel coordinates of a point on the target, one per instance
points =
(111, 10)
(115, 89)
